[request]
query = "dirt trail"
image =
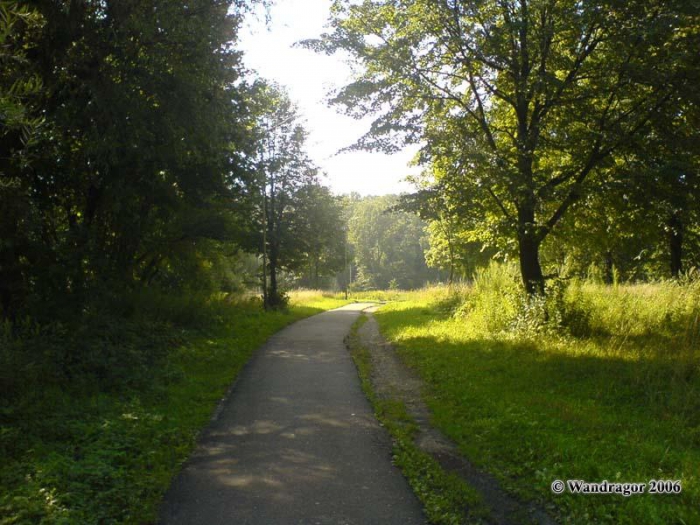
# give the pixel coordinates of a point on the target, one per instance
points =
(391, 379)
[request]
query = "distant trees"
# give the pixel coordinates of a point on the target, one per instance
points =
(523, 105)
(388, 245)
(452, 243)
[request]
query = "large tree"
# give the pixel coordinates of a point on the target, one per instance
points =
(520, 102)
(286, 178)
(146, 139)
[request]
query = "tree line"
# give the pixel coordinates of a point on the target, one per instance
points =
(137, 152)
(550, 131)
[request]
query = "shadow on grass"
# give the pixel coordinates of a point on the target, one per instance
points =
(536, 410)
(644, 372)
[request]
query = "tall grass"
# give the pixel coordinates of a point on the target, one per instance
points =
(496, 305)
(594, 382)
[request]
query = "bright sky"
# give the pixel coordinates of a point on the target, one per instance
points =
(308, 78)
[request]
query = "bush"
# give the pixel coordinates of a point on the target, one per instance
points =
(27, 356)
(112, 344)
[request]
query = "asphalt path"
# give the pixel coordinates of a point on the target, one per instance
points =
(296, 442)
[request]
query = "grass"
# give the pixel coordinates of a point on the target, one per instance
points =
(85, 454)
(608, 389)
(444, 496)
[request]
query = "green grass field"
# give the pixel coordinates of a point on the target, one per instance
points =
(87, 455)
(607, 389)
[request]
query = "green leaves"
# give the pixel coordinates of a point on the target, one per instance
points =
(518, 105)
(124, 121)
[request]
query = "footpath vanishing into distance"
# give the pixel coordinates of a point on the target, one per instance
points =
(296, 442)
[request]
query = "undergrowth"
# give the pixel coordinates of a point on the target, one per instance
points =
(97, 417)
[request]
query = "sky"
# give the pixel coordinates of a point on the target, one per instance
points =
(308, 78)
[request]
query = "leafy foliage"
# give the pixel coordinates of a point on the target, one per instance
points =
(134, 173)
(520, 104)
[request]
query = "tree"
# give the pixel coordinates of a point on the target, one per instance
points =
(641, 219)
(287, 177)
(324, 231)
(665, 178)
(520, 102)
(145, 149)
(20, 121)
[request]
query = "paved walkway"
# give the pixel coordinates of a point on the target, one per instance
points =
(295, 443)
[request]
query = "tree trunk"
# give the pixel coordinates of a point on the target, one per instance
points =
(675, 238)
(529, 241)
(608, 269)
(452, 260)
(273, 295)
(530, 268)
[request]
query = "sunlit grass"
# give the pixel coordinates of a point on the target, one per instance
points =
(399, 295)
(317, 299)
(612, 392)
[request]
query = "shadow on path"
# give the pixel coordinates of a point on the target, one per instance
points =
(296, 442)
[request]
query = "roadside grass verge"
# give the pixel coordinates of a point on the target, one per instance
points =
(608, 390)
(83, 451)
(444, 496)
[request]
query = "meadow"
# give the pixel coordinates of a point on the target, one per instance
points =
(99, 442)
(598, 382)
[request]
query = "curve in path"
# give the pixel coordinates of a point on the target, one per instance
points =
(296, 442)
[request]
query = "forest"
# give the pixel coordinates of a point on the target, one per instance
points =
(158, 206)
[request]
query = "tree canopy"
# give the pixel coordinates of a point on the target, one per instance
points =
(520, 105)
